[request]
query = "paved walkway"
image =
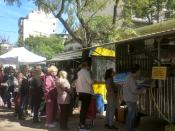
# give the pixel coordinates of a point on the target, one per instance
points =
(10, 123)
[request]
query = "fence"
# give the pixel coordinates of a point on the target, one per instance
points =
(164, 96)
(162, 91)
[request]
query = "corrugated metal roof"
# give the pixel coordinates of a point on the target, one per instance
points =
(67, 56)
(78, 54)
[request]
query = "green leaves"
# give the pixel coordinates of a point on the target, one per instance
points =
(45, 46)
(87, 21)
(153, 10)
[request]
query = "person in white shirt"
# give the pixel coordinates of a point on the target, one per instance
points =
(84, 89)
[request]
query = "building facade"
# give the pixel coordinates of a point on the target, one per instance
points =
(37, 23)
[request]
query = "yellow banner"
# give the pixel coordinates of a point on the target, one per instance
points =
(99, 51)
(159, 73)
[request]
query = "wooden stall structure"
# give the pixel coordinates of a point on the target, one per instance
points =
(152, 50)
(102, 59)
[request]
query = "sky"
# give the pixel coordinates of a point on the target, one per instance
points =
(9, 16)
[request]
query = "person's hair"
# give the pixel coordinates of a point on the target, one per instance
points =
(63, 74)
(20, 73)
(108, 73)
(52, 69)
(36, 72)
(135, 68)
(86, 62)
(45, 70)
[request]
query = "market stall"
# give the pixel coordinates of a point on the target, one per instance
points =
(20, 56)
(155, 54)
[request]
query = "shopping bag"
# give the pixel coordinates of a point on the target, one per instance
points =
(121, 114)
(92, 110)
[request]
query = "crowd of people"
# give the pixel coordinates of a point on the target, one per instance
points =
(47, 91)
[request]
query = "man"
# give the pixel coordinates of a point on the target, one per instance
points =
(130, 95)
(84, 89)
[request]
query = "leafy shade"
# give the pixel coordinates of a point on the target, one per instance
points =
(45, 46)
(152, 10)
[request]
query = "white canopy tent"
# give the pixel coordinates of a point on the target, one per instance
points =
(19, 56)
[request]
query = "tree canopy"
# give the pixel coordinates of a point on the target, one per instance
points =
(83, 19)
(86, 24)
(45, 46)
(152, 10)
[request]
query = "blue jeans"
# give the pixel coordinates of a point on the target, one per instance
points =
(132, 112)
(110, 111)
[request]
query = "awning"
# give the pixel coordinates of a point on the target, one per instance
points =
(20, 55)
(99, 51)
(71, 55)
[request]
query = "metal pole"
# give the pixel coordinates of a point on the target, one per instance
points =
(158, 52)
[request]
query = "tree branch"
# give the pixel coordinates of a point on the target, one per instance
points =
(71, 32)
(115, 11)
(78, 14)
(65, 24)
(47, 6)
(61, 10)
(82, 22)
(97, 11)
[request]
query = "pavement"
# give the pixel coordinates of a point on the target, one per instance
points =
(10, 123)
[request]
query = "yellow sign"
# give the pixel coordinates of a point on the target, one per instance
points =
(99, 51)
(159, 73)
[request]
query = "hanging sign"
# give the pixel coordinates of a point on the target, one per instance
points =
(159, 73)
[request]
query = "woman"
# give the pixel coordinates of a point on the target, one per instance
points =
(16, 91)
(23, 93)
(64, 98)
(111, 98)
(51, 96)
(36, 92)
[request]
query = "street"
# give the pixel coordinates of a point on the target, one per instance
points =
(10, 123)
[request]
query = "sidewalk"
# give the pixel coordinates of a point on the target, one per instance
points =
(10, 123)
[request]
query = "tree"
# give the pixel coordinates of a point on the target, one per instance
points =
(45, 46)
(3, 40)
(152, 10)
(83, 21)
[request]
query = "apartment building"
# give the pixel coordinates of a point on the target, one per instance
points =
(37, 23)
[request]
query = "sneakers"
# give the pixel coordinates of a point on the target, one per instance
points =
(50, 125)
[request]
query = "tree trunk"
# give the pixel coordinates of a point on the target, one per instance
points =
(115, 11)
